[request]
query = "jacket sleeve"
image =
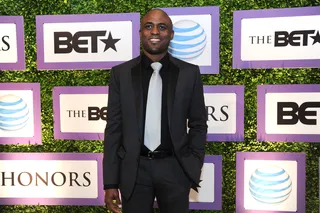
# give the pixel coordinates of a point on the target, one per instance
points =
(113, 133)
(197, 119)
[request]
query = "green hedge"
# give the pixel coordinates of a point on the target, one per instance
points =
(249, 78)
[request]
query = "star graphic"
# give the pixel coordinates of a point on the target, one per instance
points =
(316, 38)
(110, 43)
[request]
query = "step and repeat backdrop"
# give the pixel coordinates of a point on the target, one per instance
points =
(264, 181)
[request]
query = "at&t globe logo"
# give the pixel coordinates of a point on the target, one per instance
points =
(14, 113)
(189, 40)
(270, 185)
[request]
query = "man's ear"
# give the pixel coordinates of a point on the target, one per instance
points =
(172, 35)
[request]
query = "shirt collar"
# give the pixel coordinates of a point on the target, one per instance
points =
(146, 61)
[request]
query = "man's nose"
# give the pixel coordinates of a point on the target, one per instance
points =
(155, 30)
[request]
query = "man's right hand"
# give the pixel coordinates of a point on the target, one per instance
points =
(109, 196)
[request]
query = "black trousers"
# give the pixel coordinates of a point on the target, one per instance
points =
(162, 179)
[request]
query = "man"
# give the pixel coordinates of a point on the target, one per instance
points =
(148, 152)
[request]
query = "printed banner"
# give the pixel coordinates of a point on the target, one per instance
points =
(20, 113)
(276, 38)
(196, 36)
(80, 112)
(76, 179)
(12, 55)
(96, 41)
(288, 113)
(209, 196)
(51, 179)
(225, 109)
(270, 182)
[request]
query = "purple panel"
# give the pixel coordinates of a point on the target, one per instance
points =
(261, 132)
(56, 92)
(99, 201)
(41, 20)
(217, 204)
(214, 12)
(21, 64)
(301, 179)
(239, 91)
(37, 136)
(286, 12)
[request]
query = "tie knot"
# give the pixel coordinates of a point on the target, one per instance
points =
(156, 66)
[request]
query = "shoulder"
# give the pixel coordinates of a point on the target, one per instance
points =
(127, 65)
(183, 64)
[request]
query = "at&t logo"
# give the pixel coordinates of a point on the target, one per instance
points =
(14, 113)
(270, 185)
(189, 40)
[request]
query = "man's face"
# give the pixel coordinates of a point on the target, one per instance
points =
(156, 32)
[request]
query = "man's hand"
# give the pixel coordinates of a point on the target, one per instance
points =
(109, 196)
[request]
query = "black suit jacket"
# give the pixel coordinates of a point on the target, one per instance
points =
(123, 133)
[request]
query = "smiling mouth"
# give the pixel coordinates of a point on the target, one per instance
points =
(154, 40)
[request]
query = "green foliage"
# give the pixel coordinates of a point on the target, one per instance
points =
(249, 78)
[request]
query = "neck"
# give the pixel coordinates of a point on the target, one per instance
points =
(153, 57)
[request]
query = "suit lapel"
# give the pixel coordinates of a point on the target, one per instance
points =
(172, 87)
(136, 78)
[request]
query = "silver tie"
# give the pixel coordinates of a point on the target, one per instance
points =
(152, 131)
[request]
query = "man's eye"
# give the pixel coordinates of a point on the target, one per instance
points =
(148, 27)
(162, 27)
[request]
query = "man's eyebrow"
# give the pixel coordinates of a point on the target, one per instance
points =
(155, 23)
(148, 23)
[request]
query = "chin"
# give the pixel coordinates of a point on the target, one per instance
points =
(155, 51)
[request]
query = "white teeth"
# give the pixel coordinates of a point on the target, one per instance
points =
(154, 40)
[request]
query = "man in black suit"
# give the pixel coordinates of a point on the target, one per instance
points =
(148, 151)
